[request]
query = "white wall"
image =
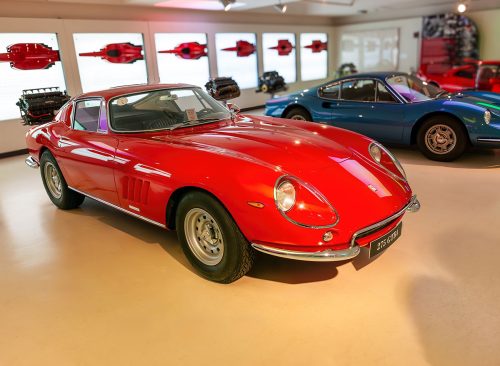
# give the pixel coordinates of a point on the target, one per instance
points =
(12, 132)
(488, 23)
(408, 45)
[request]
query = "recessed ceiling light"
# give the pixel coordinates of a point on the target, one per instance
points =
(461, 7)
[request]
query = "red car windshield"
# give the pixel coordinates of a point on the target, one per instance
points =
(164, 109)
(412, 89)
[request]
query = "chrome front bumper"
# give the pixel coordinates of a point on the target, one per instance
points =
(32, 163)
(330, 255)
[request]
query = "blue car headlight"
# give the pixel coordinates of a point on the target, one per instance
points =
(487, 117)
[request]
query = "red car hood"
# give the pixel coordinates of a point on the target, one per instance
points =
(351, 183)
(292, 149)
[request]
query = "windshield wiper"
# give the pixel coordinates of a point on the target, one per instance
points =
(443, 92)
(195, 122)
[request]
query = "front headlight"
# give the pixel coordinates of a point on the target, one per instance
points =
(487, 117)
(386, 160)
(302, 204)
(285, 196)
(375, 152)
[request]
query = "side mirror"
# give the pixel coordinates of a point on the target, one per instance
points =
(233, 108)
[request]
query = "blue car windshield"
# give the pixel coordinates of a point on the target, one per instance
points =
(412, 89)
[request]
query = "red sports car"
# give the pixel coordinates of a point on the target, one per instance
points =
(480, 75)
(229, 184)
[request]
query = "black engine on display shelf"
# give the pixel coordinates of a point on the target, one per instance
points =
(39, 106)
(223, 88)
(346, 69)
(271, 82)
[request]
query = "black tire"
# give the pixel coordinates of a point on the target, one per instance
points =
(238, 256)
(299, 114)
(68, 199)
(450, 127)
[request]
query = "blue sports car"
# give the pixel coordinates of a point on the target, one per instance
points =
(399, 108)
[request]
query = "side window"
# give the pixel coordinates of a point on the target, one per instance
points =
(383, 94)
(331, 91)
(465, 73)
(186, 99)
(86, 116)
(359, 90)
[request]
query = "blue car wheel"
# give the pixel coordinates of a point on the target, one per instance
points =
(442, 138)
(299, 114)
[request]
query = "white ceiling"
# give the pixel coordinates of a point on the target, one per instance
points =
(359, 10)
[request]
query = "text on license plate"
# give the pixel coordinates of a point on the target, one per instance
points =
(379, 245)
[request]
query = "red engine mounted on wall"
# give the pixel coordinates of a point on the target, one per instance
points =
(284, 47)
(243, 49)
(30, 56)
(118, 53)
(189, 50)
(317, 46)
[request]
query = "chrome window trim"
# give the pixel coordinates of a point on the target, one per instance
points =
(120, 208)
(73, 112)
(314, 191)
(398, 99)
(413, 206)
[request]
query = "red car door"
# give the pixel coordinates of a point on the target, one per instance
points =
(142, 183)
(86, 151)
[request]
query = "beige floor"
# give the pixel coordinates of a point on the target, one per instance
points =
(96, 287)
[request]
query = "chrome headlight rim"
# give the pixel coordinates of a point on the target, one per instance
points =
(312, 189)
(393, 158)
(487, 116)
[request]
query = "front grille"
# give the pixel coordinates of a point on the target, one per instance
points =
(375, 229)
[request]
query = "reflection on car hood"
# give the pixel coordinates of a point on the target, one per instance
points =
(482, 98)
(273, 143)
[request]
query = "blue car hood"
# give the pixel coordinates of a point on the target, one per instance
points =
(482, 98)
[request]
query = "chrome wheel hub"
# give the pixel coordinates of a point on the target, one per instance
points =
(440, 139)
(298, 117)
(53, 180)
(204, 236)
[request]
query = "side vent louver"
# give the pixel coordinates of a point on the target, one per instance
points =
(136, 190)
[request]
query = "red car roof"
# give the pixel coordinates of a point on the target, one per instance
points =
(131, 89)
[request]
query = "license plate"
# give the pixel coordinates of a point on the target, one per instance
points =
(377, 246)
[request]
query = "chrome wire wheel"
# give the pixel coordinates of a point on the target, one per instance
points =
(298, 117)
(52, 179)
(204, 236)
(440, 139)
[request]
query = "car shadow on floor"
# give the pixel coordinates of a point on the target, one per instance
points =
(270, 268)
(265, 268)
(473, 158)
